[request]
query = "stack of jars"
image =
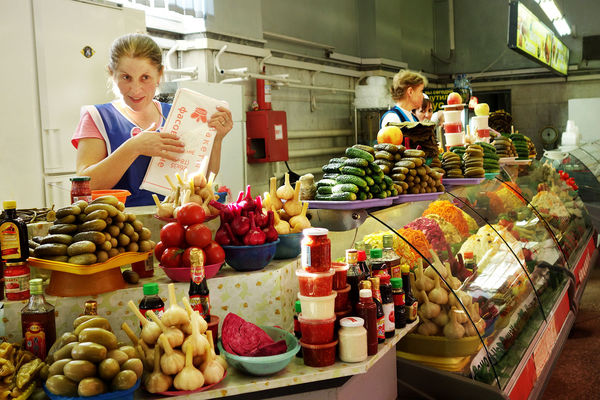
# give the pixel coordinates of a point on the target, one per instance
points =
(317, 299)
(342, 306)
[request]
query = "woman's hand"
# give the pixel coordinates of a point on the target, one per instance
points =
(222, 122)
(152, 143)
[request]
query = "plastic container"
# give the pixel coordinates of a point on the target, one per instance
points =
(316, 331)
(484, 134)
(120, 194)
(480, 122)
(452, 116)
(316, 284)
(182, 274)
(353, 340)
(318, 355)
(453, 127)
(454, 139)
(289, 246)
(341, 272)
(341, 300)
(250, 258)
(318, 307)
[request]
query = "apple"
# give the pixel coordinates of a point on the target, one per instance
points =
(482, 109)
(454, 98)
(390, 134)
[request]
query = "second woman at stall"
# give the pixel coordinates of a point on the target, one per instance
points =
(115, 141)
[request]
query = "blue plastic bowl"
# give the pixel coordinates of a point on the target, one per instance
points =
(267, 365)
(116, 395)
(250, 258)
(289, 246)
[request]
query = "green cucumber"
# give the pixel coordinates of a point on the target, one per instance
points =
(327, 182)
(356, 162)
(332, 167)
(344, 187)
(361, 196)
(330, 175)
(389, 182)
(369, 180)
(338, 160)
(378, 178)
(342, 196)
(366, 148)
(358, 181)
(353, 171)
(354, 152)
(325, 190)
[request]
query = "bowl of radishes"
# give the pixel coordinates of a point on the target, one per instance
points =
(247, 232)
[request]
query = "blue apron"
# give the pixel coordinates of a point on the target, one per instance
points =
(398, 111)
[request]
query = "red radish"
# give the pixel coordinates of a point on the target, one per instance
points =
(221, 236)
(254, 236)
(240, 224)
(270, 232)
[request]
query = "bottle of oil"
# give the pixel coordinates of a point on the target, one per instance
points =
(38, 322)
(14, 246)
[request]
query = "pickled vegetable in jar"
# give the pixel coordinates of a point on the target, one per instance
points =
(315, 250)
(80, 189)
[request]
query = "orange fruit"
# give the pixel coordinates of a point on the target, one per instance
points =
(390, 134)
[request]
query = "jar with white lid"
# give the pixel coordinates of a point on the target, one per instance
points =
(352, 338)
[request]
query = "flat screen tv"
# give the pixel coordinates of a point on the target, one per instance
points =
(529, 36)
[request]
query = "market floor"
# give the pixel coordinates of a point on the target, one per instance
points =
(575, 375)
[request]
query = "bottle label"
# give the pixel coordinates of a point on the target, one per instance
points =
(200, 304)
(158, 311)
(399, 299)
(395, 268)
(412, 311)
(16, 283)
(197, 274)
(87, 198)
(388, 312)
(9, 241)
(35, 339)
(381, 327)
(305, 256)
(149, 265)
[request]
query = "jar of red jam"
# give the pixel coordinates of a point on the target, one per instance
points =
(318, 355)
(315, 250)
(341, 272)
(316, 331)
(16, 281)
(315, 284)
(80, 189)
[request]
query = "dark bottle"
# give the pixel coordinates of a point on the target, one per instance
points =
(38, 322)
(198, 293)
(388, 305)
(152, 300)
(380, 315)
(411, 303)
(378, 266)
(391, 259)
(362, 263)
(14, 246)
(367, 310)
(297, 331)
(353, 277)
(399, 309)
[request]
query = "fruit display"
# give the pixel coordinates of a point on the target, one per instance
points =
(89, 361)
(454, 99)
(473, 161)
(521, 146)
(490, 158)
(20, 371)
(195, 189)
(179, 238)
(89, 233)
(177, 349)
(504, 147)
(390, 134)
(289, 213)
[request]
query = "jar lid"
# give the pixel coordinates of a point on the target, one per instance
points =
(385, 279)
(468, 254)
(352, 322)
(366, 293)
(80, 178)
(15, 264)
(9, 204)
(35, 286)
(405, 269)
(362, 256)
(396, 283)
(315, 231)
(340, 266)
(150, 288)
(376, 253)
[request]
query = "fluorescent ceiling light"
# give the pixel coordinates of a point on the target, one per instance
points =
(562, 27)
(551, 10)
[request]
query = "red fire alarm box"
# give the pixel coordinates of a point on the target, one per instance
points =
(266, 132)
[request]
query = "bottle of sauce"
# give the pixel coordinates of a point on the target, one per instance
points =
(411, 303)
(151, 300)
(16, 280)
(378, 266)
(80, 189)
(380, 315)
(391, 259)
(297, 330)
(38, 322)
(362, 263)
(14, 246)
(90, 307)
(399, 309)
(367, 310)
(353, 276)
(387, 301)
(198, 293)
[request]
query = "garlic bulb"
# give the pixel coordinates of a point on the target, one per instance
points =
(189, 378)
(157, 381)
(286, 191)
(428, 309)
(438, 294)
(172, 361)
(150, 330)
(174, 315)
(442, 319)
(454, 283)
(423, 282)
(427, 328)
(461, 317)
(173, 335)
(453, 329)
(275, 201)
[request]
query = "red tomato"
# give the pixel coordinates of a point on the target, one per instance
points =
(171, 257)
(190, 214)
(198, 235)
(158, 250)
(186, 256)
(214, 253)
(173, 235)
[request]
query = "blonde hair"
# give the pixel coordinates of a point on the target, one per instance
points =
(135, 45)
(403, 80)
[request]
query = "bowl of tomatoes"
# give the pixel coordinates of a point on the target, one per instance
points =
(182, 274)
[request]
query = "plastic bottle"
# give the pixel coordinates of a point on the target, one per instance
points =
(391, 259)
(399, 309)
(362, 263)
(353, 276)
(377, 266)
(152, 300)
(411, 303)
(380, 315)
(14, 246)
(387, 301)
(367, 310)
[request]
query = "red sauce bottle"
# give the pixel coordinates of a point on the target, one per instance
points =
(80, 189)
(367, 310)
(38, 322)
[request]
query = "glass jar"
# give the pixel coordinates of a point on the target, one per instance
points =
(80, 189)
(352, 337)
(315, 250)
(16, 281)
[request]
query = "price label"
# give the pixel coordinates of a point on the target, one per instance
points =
(542, 351)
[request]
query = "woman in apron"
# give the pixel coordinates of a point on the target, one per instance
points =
(407, 92)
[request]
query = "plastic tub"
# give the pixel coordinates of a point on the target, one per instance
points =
(480, 122)
(454, 139)
(121, 195)
(341, 271)
(341, 300)
(315, 284)
(453, 128)
(318, 307)
(452, 116)
(318, 355)
(484, 134)
(316, 331)
(289, 246)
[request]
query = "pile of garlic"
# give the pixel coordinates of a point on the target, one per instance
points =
(195, 189)
(178, 350)
(290, 212)
(439, 312)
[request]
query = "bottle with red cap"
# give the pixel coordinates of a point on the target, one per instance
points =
(362, 263)
(367, 310)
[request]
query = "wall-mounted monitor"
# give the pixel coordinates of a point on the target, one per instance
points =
(529, 36)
